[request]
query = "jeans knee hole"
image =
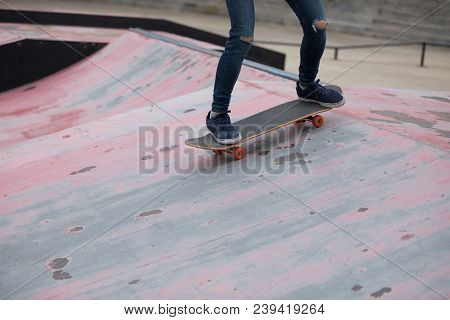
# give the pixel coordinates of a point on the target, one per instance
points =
(319, 25)
(248, 39)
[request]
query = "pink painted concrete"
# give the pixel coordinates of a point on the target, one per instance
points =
(361, 202)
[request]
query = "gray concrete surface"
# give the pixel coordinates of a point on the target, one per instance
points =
(356, 209)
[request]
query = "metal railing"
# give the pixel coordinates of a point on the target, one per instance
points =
(365, 46)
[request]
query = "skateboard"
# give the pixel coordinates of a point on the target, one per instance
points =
(263, 122)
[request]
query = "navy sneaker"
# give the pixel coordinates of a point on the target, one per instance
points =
(221, 128)
(317, 93)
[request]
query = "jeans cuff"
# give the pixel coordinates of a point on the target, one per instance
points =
(219, 109)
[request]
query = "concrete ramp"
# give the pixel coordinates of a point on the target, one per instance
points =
(101, 199)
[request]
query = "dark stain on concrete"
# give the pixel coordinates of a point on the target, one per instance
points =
(362, 209)
(365, 250)
(134, 281)
(380, 292)
(75, 229)
(384, 120)
(285, 147)
(263, 152)
(182, 65)
(148, 157)
(84, 170)
(293, 158)
(389, 94)
(109, 150)
(356, 287)
(61, 275)
(437, 99)
(29, 88)
(407, 236)
(167, 149)
(443, 133)
(66, 136)
(149, 213)
(441, 115)
(58, 263)
(189, 110)
(403, 118)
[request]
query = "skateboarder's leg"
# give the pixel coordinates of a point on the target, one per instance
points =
(312, 19)
(242, 17)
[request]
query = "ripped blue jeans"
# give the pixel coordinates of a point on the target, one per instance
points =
(242, 15)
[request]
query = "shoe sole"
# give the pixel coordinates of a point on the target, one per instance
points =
(324, 104)
(227, 141)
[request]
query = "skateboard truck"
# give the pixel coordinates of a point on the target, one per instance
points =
(238, 153)
(316, 120)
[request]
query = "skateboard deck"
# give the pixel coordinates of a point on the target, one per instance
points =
(264, 122)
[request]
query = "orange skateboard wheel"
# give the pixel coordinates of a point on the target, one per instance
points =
(238, 153)
(318, 121)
